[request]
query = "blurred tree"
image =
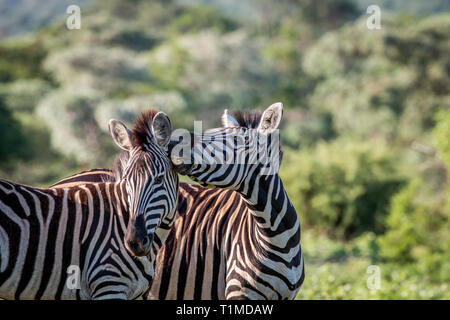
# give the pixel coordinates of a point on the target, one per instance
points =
(214, 71)
(342, 188)
(387, 83)
(408, 6)
(74, 130)
(419, 220)
(327, 15)
(22, 95)
(13, 143)
(442, 137)
(198, 17)
(21, 60)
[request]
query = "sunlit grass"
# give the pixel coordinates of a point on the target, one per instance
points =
(338, 270)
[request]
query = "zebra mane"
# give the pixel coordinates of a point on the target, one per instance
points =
(251, 120)
(143, 126)
(141, 131)
(248, 119)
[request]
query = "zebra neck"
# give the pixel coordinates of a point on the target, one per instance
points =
(120, 198)
(269, 204)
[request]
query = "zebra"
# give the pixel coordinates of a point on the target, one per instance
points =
(106, 230)
(242, 242)
(200, 257)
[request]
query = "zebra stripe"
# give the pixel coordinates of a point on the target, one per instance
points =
(44, 231)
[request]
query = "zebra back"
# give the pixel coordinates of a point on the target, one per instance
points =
(83, 177)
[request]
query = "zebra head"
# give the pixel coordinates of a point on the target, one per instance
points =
(234, 156)
(145, 170)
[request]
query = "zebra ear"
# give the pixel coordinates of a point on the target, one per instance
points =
(121, 135)
(162, 129)
(271, 118)
(228, 120)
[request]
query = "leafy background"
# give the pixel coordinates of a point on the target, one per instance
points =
(366, 129)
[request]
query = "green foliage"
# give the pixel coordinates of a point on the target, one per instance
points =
(415, 227)
(198, 65)
(418, 224)
(308, 129)
(338, 270)
(342, 188)
(21, 60)
(442, 137)
(13, 144)
(21, 95)
(408, 6)
(387, 83)
(133, 39)
(43, 165)
(197, 18)
(74, 130)
(331, 14)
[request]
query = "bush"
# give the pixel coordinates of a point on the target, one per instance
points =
(442, 136)
(417, 233)
(13, 144)
(199, 17)
(419, 221)
(21, 60)
(387, 83)
(343, 187)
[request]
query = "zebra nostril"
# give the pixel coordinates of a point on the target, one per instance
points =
(146, 241)
(134, 245)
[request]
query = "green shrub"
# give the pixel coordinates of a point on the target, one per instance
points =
(417, 240)
(343, 187)
(404, 224)
(21, 60)
(418, 222)
(199, 17)
(442, 136)
(13, 143)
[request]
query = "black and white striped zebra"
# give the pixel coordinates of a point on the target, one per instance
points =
(240, 243)
(200, 254)
(107, 230)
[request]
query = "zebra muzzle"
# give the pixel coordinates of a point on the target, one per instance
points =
(179, 165)
(136, 239)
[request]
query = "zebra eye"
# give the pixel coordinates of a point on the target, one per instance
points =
(158, 180)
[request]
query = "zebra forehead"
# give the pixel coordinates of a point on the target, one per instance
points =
(149, 161)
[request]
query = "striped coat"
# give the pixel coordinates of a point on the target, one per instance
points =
(230, 244)
(59, 228)
(96, 240)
